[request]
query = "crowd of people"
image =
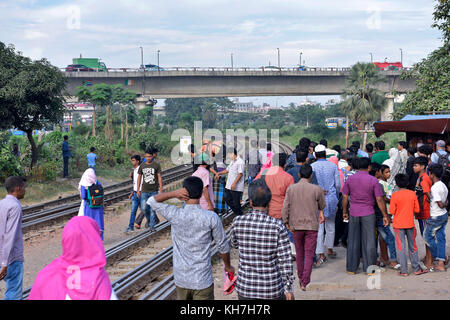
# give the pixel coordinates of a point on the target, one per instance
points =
(303, 205)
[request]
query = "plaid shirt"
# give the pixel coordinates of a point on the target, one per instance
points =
(265, 265)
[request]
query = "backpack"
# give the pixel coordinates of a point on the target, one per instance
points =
(443, 160)
(95, 196)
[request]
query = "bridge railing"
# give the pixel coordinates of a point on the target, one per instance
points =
(228, 69)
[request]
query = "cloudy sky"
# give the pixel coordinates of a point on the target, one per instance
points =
(206, 32)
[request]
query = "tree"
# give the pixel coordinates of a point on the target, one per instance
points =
(363, 103)
(432, 75)
(84, 94)
(101, 95)
(209, 116)
(31, 94)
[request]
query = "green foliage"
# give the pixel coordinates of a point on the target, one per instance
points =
(362, 102)
(81, 130)
(153, 138)
(50, 170)
(199, 108)
(31, 94)
(321, 131)
(432, 75)
(441, 17)
(432, 90)
(9, 164)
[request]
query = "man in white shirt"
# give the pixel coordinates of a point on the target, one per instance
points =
(435, 229)
(234, 187)
(135, 200)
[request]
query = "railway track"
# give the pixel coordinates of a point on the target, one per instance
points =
(165, 288)
(37, 215)
(153, 279)
(140, 267)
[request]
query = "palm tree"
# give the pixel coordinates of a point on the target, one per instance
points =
(363, 103)
(209, 115)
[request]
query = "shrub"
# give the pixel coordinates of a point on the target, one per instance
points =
(81, 129)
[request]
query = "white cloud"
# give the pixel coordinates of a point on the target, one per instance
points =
(205, 33)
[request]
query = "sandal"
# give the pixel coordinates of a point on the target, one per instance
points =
(320, 262)
(403, 274)
(421, 271)
(332, 255)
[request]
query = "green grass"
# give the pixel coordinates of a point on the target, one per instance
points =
(40, 192)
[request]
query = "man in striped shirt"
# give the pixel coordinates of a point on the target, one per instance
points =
(265, 265)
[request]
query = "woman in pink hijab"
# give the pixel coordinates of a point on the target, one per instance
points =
(335, 160)
(79, 273)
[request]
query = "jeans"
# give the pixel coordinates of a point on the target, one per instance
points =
(13, 280)
(250, 180)
(361, 241)
(150, 214)
(435, 236)
(388, 237)
(135, 202)
(66, 166)
(405, 237)
(94, 167)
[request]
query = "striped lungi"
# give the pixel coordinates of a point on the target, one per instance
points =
(219, 195)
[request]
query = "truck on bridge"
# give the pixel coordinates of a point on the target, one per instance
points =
(89, 63)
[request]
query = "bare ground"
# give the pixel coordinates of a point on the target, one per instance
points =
(330, 281)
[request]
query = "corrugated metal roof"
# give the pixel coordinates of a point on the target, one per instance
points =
(425, 117)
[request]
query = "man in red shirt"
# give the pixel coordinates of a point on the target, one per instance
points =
(423, 193)
(278, 181)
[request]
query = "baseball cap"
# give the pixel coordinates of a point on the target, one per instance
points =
(440, 143)
(203, 157)
(320, 148)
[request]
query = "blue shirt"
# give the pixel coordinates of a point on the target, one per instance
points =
(194, 231)
(362, 154)
(327, 176)
(435, 156)
(91, 159)
(295, 173)
(65, 149)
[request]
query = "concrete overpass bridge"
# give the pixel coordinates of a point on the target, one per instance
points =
(227, 82)
(232, 82)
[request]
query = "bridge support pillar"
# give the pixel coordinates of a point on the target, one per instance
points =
(141, 102)
(386, 115)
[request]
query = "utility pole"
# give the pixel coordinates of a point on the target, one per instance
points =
(231, 60)
(158, 60)
(278, 49)
(401, 56)
(371, 57)
(143, 71)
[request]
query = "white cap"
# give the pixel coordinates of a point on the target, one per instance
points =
(320, 148)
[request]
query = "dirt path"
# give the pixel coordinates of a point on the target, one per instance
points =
(330, 281)
(327, 282)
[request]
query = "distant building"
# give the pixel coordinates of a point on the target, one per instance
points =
(78, 112)
(243, 106)
(159, 111)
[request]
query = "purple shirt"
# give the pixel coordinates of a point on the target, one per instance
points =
(11, 242)
(363, 190)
